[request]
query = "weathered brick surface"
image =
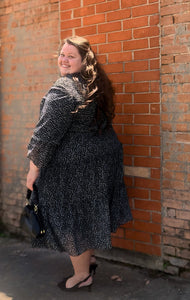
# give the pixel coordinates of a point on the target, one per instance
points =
(175, 29)
(30, 38)
(126, 36)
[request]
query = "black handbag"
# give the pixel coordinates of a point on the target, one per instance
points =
(31, 219)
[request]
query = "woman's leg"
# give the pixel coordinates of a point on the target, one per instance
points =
(81, 269)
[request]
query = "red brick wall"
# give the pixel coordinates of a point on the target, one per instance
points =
(125, 35)
(175, 22)
(30, 37)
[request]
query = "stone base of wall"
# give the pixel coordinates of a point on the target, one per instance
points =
(144, 261)
(132, 258)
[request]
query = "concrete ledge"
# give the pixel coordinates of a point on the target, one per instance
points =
(132, 258)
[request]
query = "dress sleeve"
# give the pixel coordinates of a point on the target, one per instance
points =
(55, 119)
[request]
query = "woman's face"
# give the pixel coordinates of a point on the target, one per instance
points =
(69, 60)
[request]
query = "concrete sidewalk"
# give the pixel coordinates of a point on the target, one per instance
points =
(32, 274)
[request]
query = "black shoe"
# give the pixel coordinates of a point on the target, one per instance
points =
(93, 266)
(62, 285)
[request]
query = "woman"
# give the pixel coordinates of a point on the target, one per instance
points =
(76, 163)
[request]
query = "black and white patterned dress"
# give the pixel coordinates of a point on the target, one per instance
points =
(82, 194)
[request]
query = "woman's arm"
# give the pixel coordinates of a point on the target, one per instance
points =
(32, 175)
(55, 119)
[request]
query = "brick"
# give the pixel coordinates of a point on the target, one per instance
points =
(83, 11)
(176, 223)
(141, 215)
(156, 217)
(147, 119)
(109, 48)
(183, 215)
(138, 193)
(136, 108)
(66, 15)
(121, 243)
(148, 249)
(118, 87)
(118, 108)
(137, 87)
(119, 233)
(169, 250)
(135, 129)
(146, 32)
(65, 33)
(149, 183)
(110, 27)
(136, 171)
(155, 86)
(124, 98)
(155, 130)
(171, 9)
(105, 7)
(156, 239)
(182, 18)
(154, 42)
(121, 78)
(145, 10)
(174, 49)
(155, 108)
(135, 23)
(155, 195)
(96, 39)
(155, 152)
(147, 162)
(118, 128)
(119, 57)
(130, 3)
(147, 227)
(148, 205)
(114, 68)
(69, 4)
(154, 20)
(121, 119)
(85, 31)
(136, 66)
(138, 236)
(135, 44)
(182, 58)
(146, 76)
(96, 19)
(147, 98)
(118, 15)
(70, 23)
(90, 2)
(146, 54)
(120, 36)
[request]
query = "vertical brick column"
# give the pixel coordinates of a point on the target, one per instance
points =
(30, 38)
(175, 22)
(125, 36)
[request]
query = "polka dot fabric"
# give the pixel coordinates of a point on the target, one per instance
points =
(82, 195)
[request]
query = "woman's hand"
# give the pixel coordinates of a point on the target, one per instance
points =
(32, 176)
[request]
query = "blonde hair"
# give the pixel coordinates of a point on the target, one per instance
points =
(98, 85)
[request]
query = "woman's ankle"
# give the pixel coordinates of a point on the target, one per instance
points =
(92, 259)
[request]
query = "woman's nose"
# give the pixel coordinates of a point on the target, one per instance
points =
(65, 58)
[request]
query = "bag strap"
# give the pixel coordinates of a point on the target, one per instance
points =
(29, 192)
